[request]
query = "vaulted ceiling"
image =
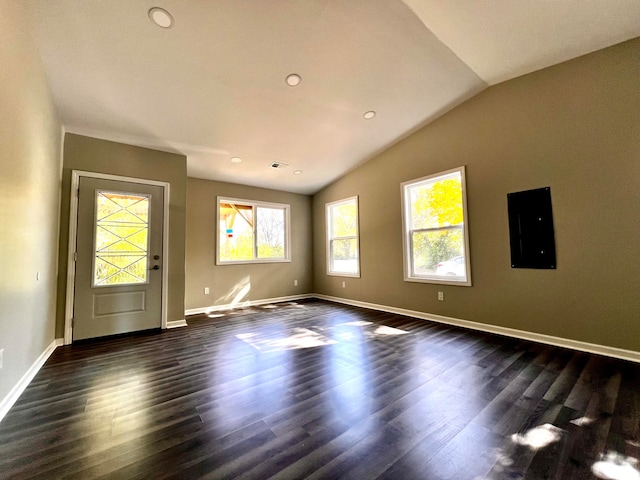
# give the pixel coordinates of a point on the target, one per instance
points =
(213, 86)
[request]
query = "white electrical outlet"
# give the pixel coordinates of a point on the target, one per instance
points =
(344, 284)
(441, 296)
(295, 283)
(206, 290)
(1, 352)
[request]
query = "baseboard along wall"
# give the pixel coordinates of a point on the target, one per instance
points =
(7, 402)
(248, 303)
(176, 323)
(607, 351)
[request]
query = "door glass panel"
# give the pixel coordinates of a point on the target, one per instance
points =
(122, 238)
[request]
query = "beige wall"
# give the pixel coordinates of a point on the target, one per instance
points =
(574, 127)
(30, 161)
(225, 281)
(94, 155)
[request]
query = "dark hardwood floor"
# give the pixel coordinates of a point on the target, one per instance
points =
(319, 390)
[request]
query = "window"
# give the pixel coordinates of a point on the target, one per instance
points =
(252, 232)
(436, 240)
(342, 238)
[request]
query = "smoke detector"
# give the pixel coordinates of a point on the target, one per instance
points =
(278, 165)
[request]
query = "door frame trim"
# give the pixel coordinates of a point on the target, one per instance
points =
(73, 229)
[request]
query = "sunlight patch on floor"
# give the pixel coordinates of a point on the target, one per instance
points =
(368, 328)
(583, 421)
(245, 307)
(384, 330)
(359, 323)
(614, 466)
(296, 305)
(538, 437)
(298, 338)
(306, 338)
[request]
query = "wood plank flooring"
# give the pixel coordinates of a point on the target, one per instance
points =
(320, 390)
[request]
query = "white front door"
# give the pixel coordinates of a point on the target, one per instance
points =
(118, 278)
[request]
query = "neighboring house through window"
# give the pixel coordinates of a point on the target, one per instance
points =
(343, 247)
(252, 232)
(436, 240)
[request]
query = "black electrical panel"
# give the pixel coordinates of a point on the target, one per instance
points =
(531, 229)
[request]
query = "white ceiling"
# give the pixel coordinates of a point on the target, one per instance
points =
(212, 87)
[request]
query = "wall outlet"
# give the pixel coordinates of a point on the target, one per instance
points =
(206, 290)
(441, 296)
(1, 355)
(295, 283)
(344, 284)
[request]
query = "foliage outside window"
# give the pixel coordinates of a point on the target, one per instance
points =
(342, 238)
(252, 232)
(436, 241)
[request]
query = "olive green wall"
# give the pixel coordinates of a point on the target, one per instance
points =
(267, 280)
(574, 127)
(101, 156)
(30, 162)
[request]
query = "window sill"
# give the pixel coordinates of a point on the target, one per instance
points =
(341, 274)
(440, 281)
(250, 262)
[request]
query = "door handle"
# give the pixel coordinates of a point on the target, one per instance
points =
(155, 267)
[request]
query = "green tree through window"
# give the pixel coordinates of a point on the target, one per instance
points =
(435, 233)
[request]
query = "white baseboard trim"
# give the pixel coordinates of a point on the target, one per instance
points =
(8, 401)
(614, 352)
(248, 303)
(176, 323)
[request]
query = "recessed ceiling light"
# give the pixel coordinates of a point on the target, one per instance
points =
(293, 80)
(161, 17)
(369, 115)
(235, 160)
(297, 172)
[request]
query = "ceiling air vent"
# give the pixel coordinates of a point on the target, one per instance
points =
(278, 165)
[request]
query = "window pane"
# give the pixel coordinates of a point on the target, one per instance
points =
(436, 203)
(344, 256)
(439, 252)
(344, 219)
(271, 232)
(122, 237)
(236, 232)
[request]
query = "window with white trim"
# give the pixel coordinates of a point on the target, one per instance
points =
(342, 238)
(436, 239)
(252, 232)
